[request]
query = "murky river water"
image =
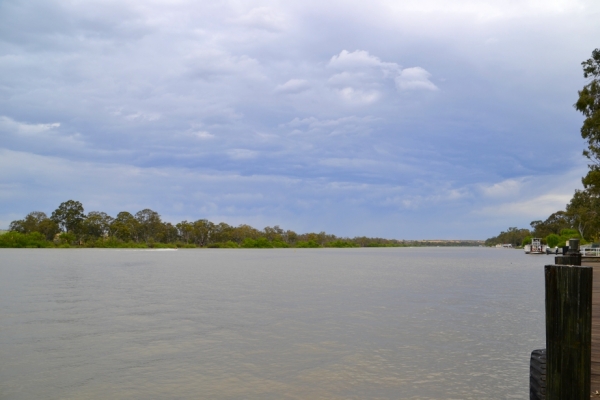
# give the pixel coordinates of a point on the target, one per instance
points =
(269, 324)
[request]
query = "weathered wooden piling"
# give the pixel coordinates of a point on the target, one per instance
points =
(568, 331)
(572, 256)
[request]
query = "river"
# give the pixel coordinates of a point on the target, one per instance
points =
(388, 323)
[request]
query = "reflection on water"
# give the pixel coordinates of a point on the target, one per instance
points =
(269, 324)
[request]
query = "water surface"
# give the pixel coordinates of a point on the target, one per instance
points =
(392, 323)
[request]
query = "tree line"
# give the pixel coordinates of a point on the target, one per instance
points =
(581, 217)
(70, 226)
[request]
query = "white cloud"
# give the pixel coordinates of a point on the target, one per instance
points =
(508, 187)
(415, 78)
(538, 207)
(486, 10)
(156, 83)
(352, 95)
(364, 77)
(360, 59)
(293, 86)
(22, 128)
(263, 18)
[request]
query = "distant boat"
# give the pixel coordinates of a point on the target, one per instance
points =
(536, 247)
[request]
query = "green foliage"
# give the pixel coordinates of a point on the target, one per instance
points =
(260, 243)
(570, 233)
(70, 227)
(224, 245)
(527, 240)
(186, 245)
(157, 245)
(125, 227)
(553, 224)
(66, 238)
(14, 239)
(308, 244)
(513, 235)
(150, 227)
(341, 244)
(588, 104)
(69, 216)
(96, 225)
(36, 221)
(553, 240)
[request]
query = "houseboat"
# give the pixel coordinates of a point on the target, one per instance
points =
(536, 247)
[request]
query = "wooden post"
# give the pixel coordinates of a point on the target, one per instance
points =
(568, 331)
(572, 257)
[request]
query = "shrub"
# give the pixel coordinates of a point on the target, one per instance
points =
(309, 244)
(553, 240)
(23, 240)
(260, 243)
(341, 244)
(224, 245)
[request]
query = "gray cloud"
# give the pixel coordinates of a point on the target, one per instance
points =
(384, 107)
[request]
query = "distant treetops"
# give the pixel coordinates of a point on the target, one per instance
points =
(582, 215)
(69, 226)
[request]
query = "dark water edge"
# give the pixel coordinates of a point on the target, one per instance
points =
(409, 323)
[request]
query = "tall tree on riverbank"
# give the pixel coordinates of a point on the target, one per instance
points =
(583, 211)
(69, 216)
(589, 105)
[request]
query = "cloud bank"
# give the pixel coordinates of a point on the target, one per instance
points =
(403, 120)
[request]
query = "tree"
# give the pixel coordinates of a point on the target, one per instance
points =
(125, 227)
(36, 221)
(588, 104)
(274, 233)
(30, 223)
(243, 232)
(48, 228)
(170, 233)
(552, 240)
(553, 224)
(583, 212)
(151, 227)
(185, 230)
(221, 233)
(69, 216)
(514, 236)
(97, 224)
(203, 232)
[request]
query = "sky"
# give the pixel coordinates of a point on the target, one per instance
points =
(406, 119)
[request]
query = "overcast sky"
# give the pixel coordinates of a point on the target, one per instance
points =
(404, 119)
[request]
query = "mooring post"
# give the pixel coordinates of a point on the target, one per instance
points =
(568, 331)
(572, 257)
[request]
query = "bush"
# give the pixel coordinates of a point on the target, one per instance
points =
(23, 240)
(186, 245)
(162, 245)
(309, 244)
(66, 238)
(260, 243)
(114, 243)
(341, 244)
(224, 245)
(567, 234)
(553, 240)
